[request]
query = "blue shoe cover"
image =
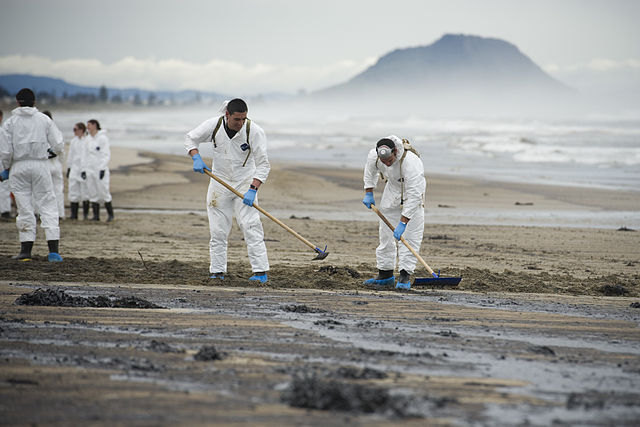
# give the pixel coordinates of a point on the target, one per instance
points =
(54, 257)
(405, 286)
(380, 282)
(217, 276)
(261, 279)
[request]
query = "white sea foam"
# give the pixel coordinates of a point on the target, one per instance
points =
(599, 152)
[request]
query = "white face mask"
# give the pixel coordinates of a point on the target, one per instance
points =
(384, 152)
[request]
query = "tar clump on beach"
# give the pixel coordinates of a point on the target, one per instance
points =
(308, 390)
(59, 298)
(208, 353)
(301, 308)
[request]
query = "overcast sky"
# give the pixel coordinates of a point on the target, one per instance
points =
(254, 46)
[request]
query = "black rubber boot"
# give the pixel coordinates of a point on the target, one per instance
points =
(404, 280)
(109, 209)
(96, 211)
(85, 210)
(74, 210)
(53, 245)
(404, 277)
(25, 252)
(54, 256)
(384, 277)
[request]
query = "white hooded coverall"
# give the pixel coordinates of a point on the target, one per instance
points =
(403, 195)
(30, 134)
(222, 204)
(77, 186)
(5, 191)
(5, 153)
(98, 155)
(55, 169)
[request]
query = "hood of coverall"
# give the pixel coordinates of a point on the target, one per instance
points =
(25, 111)
(399, 147)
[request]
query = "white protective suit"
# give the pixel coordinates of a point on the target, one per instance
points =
(55, 169)
(30, 134)
(403, 195)
(98, 155)
(222, 204)
(5, 153)
(5, 196)
(77, 186)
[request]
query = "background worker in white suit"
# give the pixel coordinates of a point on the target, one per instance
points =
(55, 167)
(96, 169)
(77, 186)
(5, 194)
(31, 135)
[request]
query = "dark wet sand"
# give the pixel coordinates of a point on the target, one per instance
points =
(542, 329)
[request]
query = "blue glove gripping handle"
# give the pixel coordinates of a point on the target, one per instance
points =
(368, 200)
(397, 233)
(4, 174)
(249, 197)
(198, 164)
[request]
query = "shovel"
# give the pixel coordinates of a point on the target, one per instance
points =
(322, 254)
(436, 279)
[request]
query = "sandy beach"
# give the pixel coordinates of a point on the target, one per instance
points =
(542, 327)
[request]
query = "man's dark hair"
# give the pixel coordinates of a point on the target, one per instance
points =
(26, 97)
(95, 122)
(386, 141)
(237, 106)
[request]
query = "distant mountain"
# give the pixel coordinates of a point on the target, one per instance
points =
(455, 69)
(60, 89)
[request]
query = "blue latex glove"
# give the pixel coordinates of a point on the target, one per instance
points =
(198, 164)
(368, 199)
(4, 174)
(249, 197)
(397, 233)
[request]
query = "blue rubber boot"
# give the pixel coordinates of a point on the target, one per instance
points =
(217, 276)
(259, 277)
(384, 278)
(54, 257)
(404, 280)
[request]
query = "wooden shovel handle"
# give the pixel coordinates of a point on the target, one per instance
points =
(265, 213)
(402, 239)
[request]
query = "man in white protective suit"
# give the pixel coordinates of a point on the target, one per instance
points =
(96, 170)
(5, 193)
(55, 167)
(239, 158)
(31, 134)
(75, 157)
(402, 202)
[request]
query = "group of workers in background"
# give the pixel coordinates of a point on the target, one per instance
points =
(31, 146)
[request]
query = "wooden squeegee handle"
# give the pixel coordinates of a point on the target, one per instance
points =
(265, 213)
(402, 239)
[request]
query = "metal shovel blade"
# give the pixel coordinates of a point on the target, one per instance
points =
(321, 254)
(437, 281)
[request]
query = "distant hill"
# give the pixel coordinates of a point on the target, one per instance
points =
(60, 89)
(455, 71)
